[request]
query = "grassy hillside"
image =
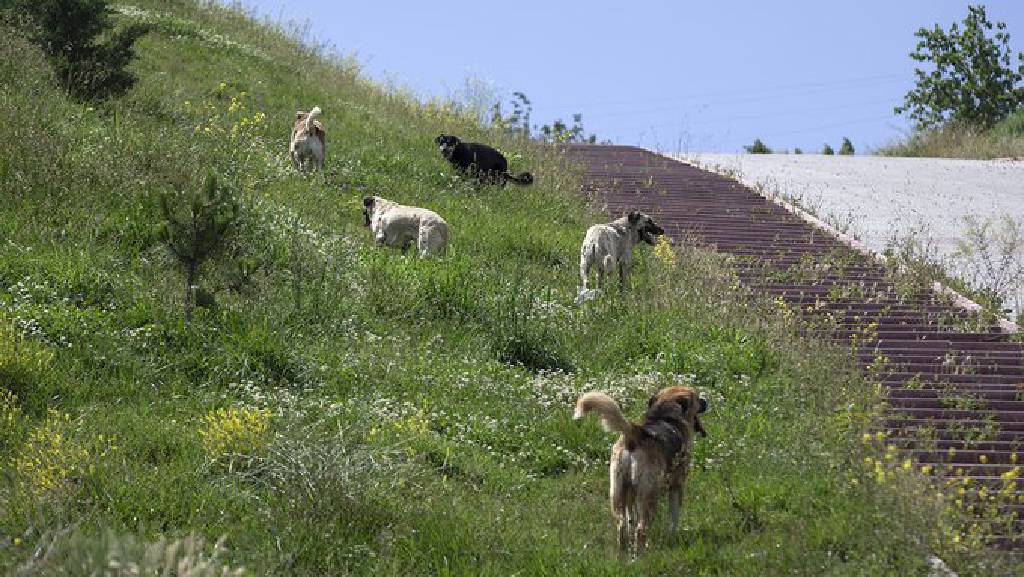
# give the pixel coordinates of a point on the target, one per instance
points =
(1004, 140)
(342, 409)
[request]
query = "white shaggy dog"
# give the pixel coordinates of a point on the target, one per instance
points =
(308, 145)
(398, 225)
(609, 247)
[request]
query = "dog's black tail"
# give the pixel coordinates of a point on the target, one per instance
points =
(523, 179)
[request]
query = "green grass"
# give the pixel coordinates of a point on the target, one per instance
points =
(420, 410)
(1004, 140)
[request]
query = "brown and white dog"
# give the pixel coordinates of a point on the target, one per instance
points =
(647, 457)
(308, 145)
(398, 225)
(609, 247)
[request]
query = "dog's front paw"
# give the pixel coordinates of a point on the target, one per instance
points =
(587, 295)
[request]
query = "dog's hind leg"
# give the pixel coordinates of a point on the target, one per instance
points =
(647, 505)
(675, 499)
(620, 497)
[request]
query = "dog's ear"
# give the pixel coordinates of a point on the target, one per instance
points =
(684, 403)
(299, 115)
(439, 139)
(633, 216)
(368, 201)
(703, 407)
(651, 401)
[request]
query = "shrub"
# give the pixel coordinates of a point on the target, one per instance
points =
(52, 457)
(827, 150)
(88, 57)
(558, 132)
(235, 435)
(197, 231)
(757, 148)
(846, 149)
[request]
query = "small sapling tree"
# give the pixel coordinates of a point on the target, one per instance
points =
(846, 148)
(827, 150)
(195, 228)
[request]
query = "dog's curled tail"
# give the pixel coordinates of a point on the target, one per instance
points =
(524, 178)
(312, 116)
(607, 409)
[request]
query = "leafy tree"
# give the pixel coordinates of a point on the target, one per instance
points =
(973, 81)
(559, 132)
(757, 148)
(194, 229)
(87, 54)
(846, 149)
(827, 150)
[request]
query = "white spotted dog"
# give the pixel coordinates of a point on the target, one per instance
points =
(308, 145)
(397, 225)
(609, 247)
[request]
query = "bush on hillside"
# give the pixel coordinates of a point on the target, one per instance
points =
(758, 147)
(846, 148)
(88, 56)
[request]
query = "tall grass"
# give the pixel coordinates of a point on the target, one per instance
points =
(1004, 140)
(338, 408)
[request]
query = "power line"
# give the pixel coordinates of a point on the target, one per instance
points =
(867, 80)
(791, 112)
(741, 99)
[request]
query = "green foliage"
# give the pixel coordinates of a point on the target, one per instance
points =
(195, 227)
(797, 151)
(827, 150)
(78, 553)
(517, 123)
(524, 338)
(757, 147)
(558, 132)
(88, 55)
(973, 80)
(846, 149)
(420, 422)
(1004, 140)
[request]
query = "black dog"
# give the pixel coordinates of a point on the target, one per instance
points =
(479, 160)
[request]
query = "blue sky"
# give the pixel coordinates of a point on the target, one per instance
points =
(672, 75)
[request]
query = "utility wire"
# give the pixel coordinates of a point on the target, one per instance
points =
(738, 100)
(867, 80)
(777, 114)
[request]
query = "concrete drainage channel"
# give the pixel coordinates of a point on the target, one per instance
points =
(954, 385)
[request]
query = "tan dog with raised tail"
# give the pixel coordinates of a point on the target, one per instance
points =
(648, 457)
(308, 143)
